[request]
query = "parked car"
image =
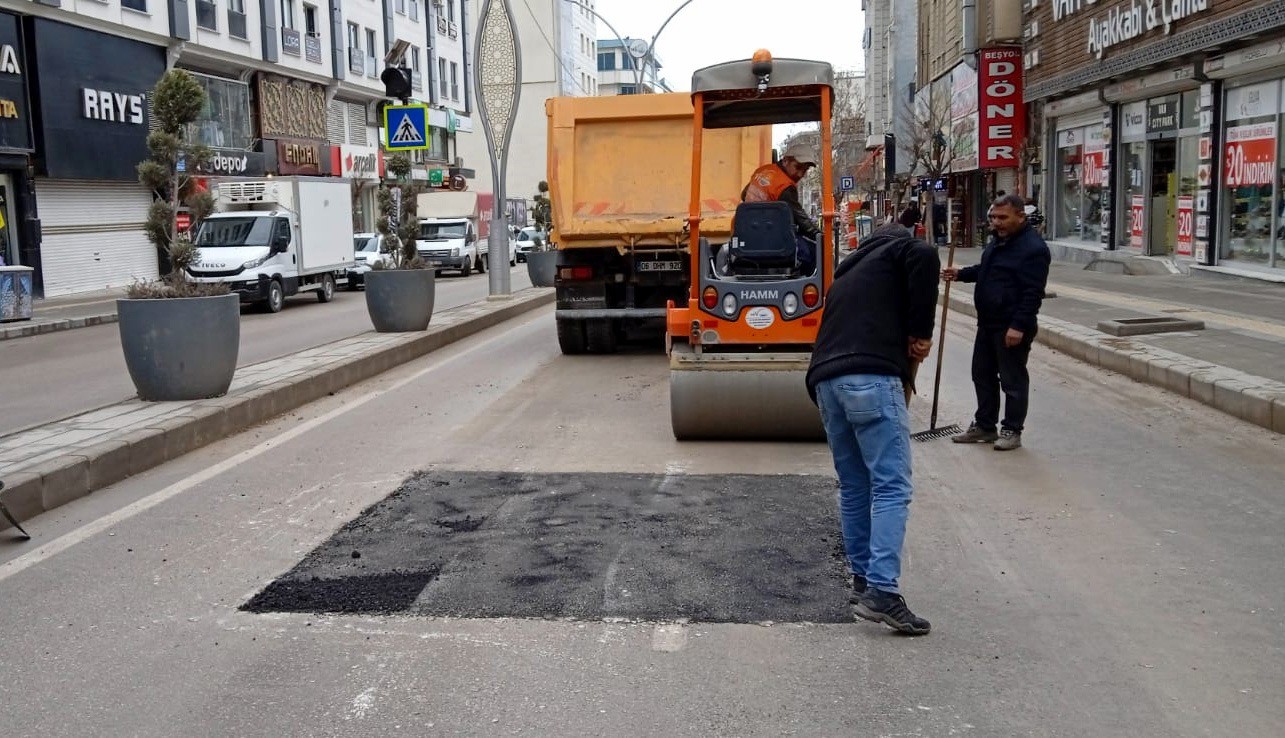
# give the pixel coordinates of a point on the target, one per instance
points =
(524, 242)
(368, 248)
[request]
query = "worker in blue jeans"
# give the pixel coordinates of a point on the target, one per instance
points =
(878, 321)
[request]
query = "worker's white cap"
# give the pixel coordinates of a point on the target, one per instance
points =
(801, 152)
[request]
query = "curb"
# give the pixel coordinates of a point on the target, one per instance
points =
(55, 482)
(1245, 396)
(53, 326)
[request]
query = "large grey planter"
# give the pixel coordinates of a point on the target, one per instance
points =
(542, 267)
(400, 300)
(182, 348)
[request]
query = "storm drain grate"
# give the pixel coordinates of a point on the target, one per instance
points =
(716, 548)
(1143, 326)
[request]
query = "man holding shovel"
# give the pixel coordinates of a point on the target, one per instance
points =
(1011, 278)
(878, 323)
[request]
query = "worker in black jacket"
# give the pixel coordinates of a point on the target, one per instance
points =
(1010, 279)
(878, 320)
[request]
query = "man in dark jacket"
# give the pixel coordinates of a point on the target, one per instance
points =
(878, 320)
(1010, 287)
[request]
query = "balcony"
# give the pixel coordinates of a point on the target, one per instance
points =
(312, 49)
(291, 42)
(207, 15)
(236, 24)
(356, 61)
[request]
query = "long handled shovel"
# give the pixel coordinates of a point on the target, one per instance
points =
(933, 431)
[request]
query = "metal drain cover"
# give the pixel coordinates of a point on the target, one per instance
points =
(1142, 326)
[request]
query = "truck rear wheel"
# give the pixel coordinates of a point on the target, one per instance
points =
(276, 297)
(571, 336)
(327, 291)
(600, 336)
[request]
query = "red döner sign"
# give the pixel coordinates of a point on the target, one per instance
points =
(1000, 107)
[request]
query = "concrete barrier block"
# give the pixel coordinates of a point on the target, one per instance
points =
(1202, 385)
(64, 479)
(1086, 351)
(1234, 397)
(1177, 378)
(1139, 366)
(1117, 360)
(1278, 414)
(23, 496)
(146, 449)
(109, 462)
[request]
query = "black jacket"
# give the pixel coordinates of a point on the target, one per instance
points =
(883, 294)
(1010, 281)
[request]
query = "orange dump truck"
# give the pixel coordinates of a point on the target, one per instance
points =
(619, 186)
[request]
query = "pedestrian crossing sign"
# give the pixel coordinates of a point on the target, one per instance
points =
(406, 127)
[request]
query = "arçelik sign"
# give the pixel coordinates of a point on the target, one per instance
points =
(1002, 113)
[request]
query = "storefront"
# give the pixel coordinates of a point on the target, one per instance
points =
(18, 244)
(364, 167)
(91, 133)
(292, 123)
(1182, 160)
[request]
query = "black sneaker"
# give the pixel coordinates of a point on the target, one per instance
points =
(885, 607)
(858, 588)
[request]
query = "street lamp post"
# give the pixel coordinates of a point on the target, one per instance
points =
(498, 80)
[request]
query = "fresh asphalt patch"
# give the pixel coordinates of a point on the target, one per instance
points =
(706, 548)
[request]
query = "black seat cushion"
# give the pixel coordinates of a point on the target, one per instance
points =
(763, 234)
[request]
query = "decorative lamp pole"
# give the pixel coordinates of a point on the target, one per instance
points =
(497, 76)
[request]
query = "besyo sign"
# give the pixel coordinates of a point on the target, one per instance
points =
(1001, 112)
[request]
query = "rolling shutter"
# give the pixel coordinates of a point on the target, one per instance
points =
(92, 235)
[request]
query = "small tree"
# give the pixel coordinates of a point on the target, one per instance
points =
(177, 102)
(542, 216)
(399, 229)
(932, 145)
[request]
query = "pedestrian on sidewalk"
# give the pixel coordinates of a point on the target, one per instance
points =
(1010, 278)
(878, 319)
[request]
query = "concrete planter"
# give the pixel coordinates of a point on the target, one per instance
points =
(542, 267)
(400, 300)
(181, 348)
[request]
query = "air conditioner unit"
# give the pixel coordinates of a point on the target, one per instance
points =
(441, 24)
(459, 162)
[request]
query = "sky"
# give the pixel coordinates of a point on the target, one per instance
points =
(713, 31)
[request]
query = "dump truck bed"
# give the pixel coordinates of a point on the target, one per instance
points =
(620, 170)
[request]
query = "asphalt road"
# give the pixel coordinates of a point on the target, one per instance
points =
(1118, 576)
(49, 377)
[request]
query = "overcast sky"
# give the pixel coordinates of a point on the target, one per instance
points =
(712, 31)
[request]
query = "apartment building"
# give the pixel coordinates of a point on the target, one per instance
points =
(293, 88)
(625, 68)
(890, 42)
(557, 45)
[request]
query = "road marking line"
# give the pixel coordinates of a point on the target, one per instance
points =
(83, 533)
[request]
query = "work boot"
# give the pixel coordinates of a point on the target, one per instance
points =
(858, 588)
(975, 434)
(1008, 440)
(889, 608)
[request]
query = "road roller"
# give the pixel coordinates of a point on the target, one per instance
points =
(739, 346)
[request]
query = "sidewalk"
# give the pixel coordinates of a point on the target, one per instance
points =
(1232, 364)
(65, 313)
(48, 466)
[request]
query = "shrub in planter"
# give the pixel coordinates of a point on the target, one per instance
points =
(400, 290)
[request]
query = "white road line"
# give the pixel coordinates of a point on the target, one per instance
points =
(58, 545)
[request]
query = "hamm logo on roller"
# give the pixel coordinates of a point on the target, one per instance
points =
(760, 295)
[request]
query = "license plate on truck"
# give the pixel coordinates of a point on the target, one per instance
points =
(660, 266)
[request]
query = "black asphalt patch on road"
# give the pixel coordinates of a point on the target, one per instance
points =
(725, 548)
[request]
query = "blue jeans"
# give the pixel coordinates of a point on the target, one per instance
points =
(868, 427)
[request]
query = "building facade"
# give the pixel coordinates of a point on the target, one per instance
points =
(553, 61)
(293, 89)
(1162, 127)
(627, 69)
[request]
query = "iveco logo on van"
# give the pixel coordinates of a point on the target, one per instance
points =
(760, 295)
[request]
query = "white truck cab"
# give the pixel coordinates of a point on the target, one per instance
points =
(272, 238)
(452, 231)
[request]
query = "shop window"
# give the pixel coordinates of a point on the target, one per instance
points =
(225, 121)
(1252, 177)
(1081, 176)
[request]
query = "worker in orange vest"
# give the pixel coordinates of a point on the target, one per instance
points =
(779, 182)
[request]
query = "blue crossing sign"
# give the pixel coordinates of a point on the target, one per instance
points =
(847, 184)
(406, 127)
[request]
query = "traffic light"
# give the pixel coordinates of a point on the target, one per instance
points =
(397, 82)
